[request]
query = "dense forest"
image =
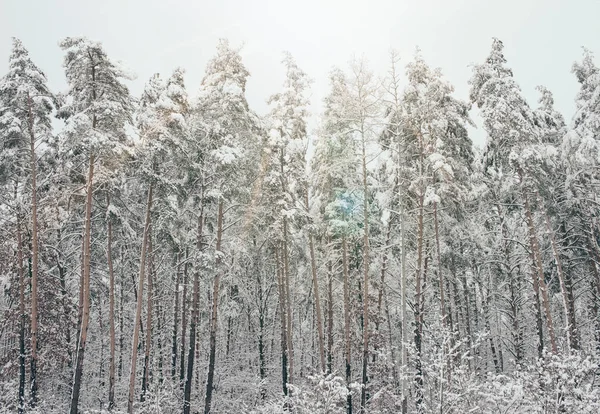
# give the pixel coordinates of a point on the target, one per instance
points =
(165, 254)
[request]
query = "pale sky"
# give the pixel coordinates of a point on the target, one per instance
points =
(542, 38)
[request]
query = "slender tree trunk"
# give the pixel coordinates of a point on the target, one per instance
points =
(313, 266)
(384, 262)
(22, 318)
(538, 271)
(366, 259)
(85, 318)
(121, 317)
(514, 295)
(391, 340)
(568, 306)
(347, 343)
(34, 258)
(174, 347)
(418, 307)
(111, 309)
(187, 390)
(159, 324)
(281, 291)
(439, 265)
(149, 302)
(138, 310)
(184, 313)
(288, 305)
(261, 332)
(403, 306)
(213, 320)
(329, 317)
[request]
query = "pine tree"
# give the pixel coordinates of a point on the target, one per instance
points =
(27, 104)
(96, 113)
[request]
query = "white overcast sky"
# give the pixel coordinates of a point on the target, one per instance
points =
(542, 38)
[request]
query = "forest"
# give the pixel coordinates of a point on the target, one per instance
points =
(165, 253)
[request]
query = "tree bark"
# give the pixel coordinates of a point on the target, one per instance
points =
(439, 265)
(418, 307)
(149, 303)
(363, 394)
(347, 343)
(538, 271)
(111, 309)
(288, 305)
(22, 317)
(313, 266)
(403, 306)
(213, 320)
(184, 313)
(187, 390)
(283, 319)
(568, 306)
(329, 317)
(138, 310)
(174, 346)
(34, 258)
(85, 318)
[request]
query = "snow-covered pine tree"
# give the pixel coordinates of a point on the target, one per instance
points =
(230, 134)
(96, 112)
(26, 105)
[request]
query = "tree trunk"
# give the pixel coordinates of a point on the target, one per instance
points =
(149, 302)
(174, 347)
(262, 307)
(363, 394)
(313, 266)
(111, 309)
(85, 318)
(213, 320)
(418, 307)
(34, 254)
(281, 292)
(187, 390)
(22, 318)
(184, 313)
(439, 265)
(288, 305)
(347, 343)
(121, 317)
(538, 271)
(568, 306)
(403, 305)
(329, 317)
(138, 310)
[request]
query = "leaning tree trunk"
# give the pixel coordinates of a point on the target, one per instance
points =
(213, 319)
(111, 309)
(85, 317)
(138, 310)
